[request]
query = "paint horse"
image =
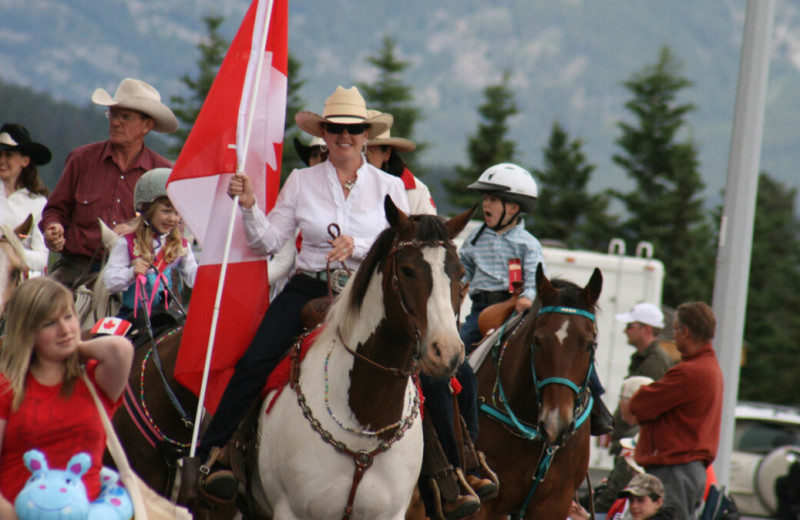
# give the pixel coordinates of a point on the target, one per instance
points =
(534, 426)
(346, 440)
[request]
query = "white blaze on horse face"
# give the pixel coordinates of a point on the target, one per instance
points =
(445, 349)
(562, 333)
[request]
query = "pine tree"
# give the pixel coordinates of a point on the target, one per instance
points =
(212, 51)
(665, 208)
(772, 330)
(565, 211)
(389, 94)
(488, 146)
(294, 104)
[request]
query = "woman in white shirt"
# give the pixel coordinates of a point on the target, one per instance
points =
(23, 193)
(344, 190)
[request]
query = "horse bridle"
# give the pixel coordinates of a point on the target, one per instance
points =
(395, 286)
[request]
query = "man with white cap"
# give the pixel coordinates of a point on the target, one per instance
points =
(99, 179)
(643, 323)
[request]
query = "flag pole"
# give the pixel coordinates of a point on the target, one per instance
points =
(241, 158)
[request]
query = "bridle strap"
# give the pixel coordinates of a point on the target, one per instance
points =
(394, 371)
(566, 310)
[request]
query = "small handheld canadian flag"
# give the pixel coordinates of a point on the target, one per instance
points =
(111, 326)
(514, 273)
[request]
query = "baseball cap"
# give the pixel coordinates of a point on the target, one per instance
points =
(646, 313)
(643, 485)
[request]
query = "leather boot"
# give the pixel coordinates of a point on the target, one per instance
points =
(602, 422)
(217, 482)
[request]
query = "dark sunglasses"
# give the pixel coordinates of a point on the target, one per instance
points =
(355, 129)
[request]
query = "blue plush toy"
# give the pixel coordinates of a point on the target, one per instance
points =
(52, 494)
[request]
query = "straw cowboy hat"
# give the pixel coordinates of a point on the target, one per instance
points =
(345, 107)
(135, 94)
(16, 137)
(400, 144)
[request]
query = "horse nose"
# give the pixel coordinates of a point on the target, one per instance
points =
(555, 425)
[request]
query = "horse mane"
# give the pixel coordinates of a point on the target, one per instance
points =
(346, 307)
(14, 242)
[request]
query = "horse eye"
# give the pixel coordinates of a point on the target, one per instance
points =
(407, 271)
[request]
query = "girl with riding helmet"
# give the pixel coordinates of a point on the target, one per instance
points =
(141, 263)
(344, 190)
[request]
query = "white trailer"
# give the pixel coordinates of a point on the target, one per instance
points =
(627, 280)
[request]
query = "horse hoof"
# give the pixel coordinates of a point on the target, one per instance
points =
(220, 486)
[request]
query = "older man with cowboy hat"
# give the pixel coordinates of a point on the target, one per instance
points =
(99, 179)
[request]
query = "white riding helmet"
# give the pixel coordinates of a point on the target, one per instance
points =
(510, 183)
(150, 186)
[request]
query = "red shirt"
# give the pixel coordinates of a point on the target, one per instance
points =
(92, 186)
(57, 427)
(680, 415)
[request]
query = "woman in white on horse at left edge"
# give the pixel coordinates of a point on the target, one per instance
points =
(344, 190)
(23, 193)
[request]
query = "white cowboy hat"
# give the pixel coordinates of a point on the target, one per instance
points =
(385, 139)
(346, 107)
(137, 95)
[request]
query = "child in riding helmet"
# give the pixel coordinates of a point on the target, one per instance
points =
(141, 262)
(491, 252)
(508, 192)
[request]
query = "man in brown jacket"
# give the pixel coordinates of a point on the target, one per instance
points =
(680, 415)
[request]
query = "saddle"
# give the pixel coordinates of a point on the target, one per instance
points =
(494, 316)
(314, 311)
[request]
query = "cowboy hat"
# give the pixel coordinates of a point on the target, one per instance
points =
(385, 139)
(303, 151)
(16, 137)
(135, 94)
(345, 107)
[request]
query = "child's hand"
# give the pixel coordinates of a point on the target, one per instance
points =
(7, 511)
(522, 305)
(140, 266)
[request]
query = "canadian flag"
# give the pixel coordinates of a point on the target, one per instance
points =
(240, 125)
(111, 326)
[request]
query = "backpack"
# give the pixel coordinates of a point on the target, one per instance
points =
(719, 506)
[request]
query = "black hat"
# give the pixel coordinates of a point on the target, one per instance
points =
(16, 137)
(303, 151)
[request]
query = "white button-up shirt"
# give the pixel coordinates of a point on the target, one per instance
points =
(311, 199)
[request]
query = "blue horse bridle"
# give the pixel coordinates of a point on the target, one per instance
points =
(510, 419)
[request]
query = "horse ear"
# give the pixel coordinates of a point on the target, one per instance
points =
(107, 235)
(591, 293)
(456, 224)
(544, 289)
(24, 229)
(397, 219)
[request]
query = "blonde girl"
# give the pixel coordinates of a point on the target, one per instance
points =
(141, 263)
(44, 403)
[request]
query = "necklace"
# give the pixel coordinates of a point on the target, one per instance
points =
(348, 185)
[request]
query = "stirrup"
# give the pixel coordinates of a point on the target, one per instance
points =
(222, 480)
(464, 504)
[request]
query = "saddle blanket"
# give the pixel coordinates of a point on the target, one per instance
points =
(279, 377)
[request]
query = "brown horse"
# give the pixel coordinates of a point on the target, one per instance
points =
(155, 423)
(534, 427)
